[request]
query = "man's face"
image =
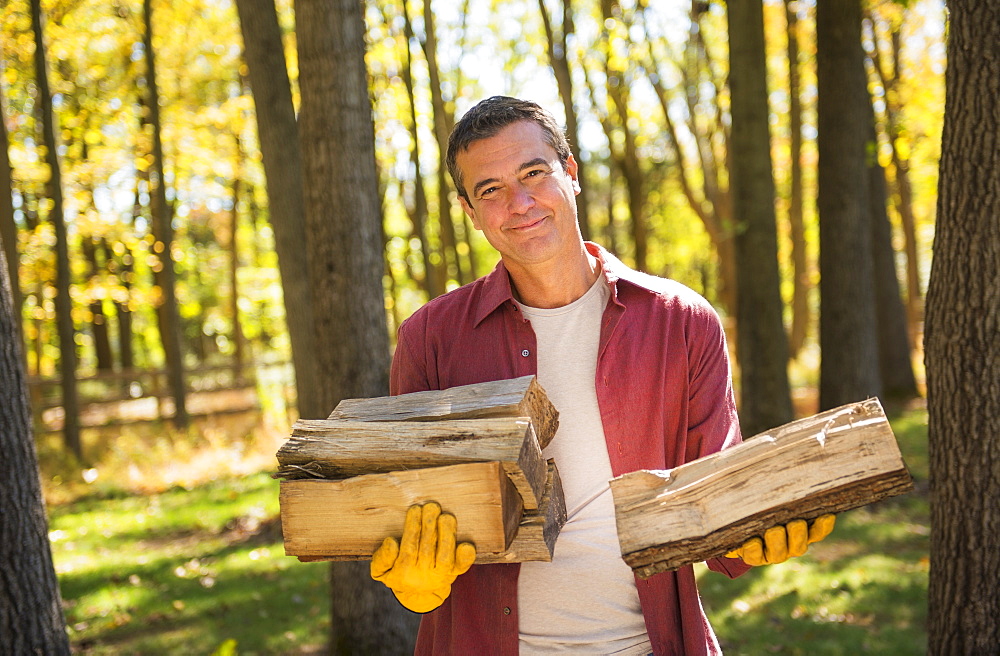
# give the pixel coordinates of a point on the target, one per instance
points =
(520, 195)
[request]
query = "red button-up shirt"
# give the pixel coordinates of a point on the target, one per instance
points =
(665, 396)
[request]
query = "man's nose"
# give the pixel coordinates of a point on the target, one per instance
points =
(521, 199)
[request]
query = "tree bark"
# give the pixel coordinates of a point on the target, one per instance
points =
(98, 321)
(847, 331)
(443, 122)
(234, 267)
(796, 224)
(904, 193)
(31, 616)
(558, 51)
(762, 345)
(346, 260)
(894, 354)
(8, 228)
(64, 303)
(163, 230)
(282, 158)
(962, 349)
(419, 215)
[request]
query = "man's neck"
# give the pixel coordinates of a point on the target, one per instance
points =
(556, 284)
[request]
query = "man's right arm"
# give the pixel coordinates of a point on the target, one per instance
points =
(409, 362)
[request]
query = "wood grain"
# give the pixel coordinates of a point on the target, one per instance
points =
(828, 463)
(536, 534)
(348, 519)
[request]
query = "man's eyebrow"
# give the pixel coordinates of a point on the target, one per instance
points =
(483, 183)
(538, 161)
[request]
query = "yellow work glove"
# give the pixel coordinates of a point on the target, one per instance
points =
(421, 568)
(783, 542)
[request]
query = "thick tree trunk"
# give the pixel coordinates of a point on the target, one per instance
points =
(163, 230)
(31, 617)
(848, 338)
(346, 257)
(282, 158)
(796, 224)
(962, 345)
(64, 303)
(762, 345)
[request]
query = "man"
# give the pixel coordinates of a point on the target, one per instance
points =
(638, 369)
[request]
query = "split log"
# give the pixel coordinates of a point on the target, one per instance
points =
(341, 448)
(536, 534)
(348, 519)
(517, 397)
(828, 463)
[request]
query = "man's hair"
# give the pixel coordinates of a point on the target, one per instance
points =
(492, 115)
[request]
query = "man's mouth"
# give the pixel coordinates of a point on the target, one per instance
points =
(529, 224)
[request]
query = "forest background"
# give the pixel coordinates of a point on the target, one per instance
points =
(642, 87)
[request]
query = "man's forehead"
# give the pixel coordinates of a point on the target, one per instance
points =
(521, 142)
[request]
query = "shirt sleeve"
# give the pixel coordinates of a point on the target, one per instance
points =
(714, 424)
(408, 372)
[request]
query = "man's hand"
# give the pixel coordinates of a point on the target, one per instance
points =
(783, 542)
(421, 569)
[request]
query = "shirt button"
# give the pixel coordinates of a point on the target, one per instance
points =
(525, 353)
(506, 611)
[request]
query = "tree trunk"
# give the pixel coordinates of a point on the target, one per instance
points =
(163, 230)
(419, 213)
(558, 51)
(8, 228)
(962, 349)
(848, 338)
(904, 193)
(282, 158)
(894, 354)
(31, 616)
(98, 321)
(762, 345)
(234, 268)
(443, 122)
(347, 261)
(796, 224)
(64, 303)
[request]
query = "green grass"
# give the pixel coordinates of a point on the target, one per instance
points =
(862, 590)
(185, 571)
(200, 569)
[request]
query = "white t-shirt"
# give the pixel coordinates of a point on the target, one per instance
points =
(585, 600)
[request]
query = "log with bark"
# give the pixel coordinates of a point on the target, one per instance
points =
(827, 463)
(516, 397)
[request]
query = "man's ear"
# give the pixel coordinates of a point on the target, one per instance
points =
(469, 211)
(573, 170)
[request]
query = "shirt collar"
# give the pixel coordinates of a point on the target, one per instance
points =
(497, 290)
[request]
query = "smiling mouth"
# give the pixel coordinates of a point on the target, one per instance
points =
(528, 226)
